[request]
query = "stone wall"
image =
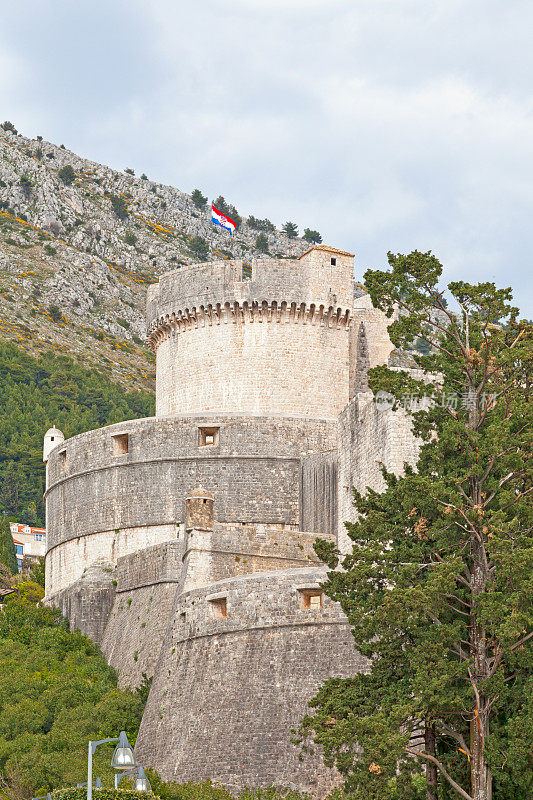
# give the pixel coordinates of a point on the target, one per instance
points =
(102, 505)
(310, 279)
(211, 556)
(369, 438)
(229, 689)
(256, 366)
(87, 602)
(147, 583)
(318, 493)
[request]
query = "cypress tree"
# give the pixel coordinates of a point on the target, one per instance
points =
(437, 588)
(8, 552)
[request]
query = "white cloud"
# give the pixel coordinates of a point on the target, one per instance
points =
(386, 124)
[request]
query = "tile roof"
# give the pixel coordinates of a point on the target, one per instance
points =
(328, 249)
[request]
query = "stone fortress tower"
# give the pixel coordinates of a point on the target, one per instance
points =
(183, 543)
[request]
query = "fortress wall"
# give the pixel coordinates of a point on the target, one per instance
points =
(88, 601)
(376, 327)
(147, 582)
(369, 439)
(254, 367)
(247, 678)
(103, 506)
(211, 556)
(318, 493)
(66, 562)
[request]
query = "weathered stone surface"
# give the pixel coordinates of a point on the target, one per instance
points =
(228, 690)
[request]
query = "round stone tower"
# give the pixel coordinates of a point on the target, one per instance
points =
(277, 343)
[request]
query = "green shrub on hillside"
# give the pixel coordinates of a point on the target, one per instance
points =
(120, 207)
(66, 174)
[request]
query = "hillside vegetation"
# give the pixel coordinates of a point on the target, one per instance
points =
(80, 243)
(36, 393)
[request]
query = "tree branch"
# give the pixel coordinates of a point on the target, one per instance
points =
(440, 767)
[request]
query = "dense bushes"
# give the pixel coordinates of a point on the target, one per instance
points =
(56, 693)
(36, 393)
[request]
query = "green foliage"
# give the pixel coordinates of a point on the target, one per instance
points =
(50, 250)
(438, 588)
(26, 183)
(120, 207)
(130, 238)
(144, 177)
(199, 200)
(312, 236)
(37, 572)
(261, 243)
(8, 552)
(207, 790)
(75, 793)
(291, 229)
(129, 171)
(27, 592)
(55, 313)
(36, 393)
(199, 248)
(8, 126)
(66, 174)
(56, 693)
(260, 224)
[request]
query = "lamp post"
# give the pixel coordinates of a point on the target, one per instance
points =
(123, 758)
(141, 782)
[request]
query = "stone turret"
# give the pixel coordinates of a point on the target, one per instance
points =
(199, 511)
(52, 438)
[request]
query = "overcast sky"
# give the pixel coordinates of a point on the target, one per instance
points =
(384, 124)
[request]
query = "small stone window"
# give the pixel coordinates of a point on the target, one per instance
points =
(333, 262)
(121, 444)
(218, 607)
(207, 437)
(311, 599)
(63, 457)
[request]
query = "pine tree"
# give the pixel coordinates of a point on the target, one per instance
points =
(438, 586)
(261, 243)
(199, 199)
(312, 236)
(8, 552)
(291, 229)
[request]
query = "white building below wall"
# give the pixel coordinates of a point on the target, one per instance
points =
(29, 542)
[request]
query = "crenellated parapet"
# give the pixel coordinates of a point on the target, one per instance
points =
(259, 312)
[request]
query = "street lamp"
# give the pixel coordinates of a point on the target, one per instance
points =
(123, 758)
(141, 782)
(97, 785)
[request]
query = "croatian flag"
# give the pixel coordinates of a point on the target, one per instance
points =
(223, 220)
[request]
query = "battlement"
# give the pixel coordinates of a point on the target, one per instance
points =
(310, 280)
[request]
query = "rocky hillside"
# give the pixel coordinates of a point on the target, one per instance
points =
(79, 243)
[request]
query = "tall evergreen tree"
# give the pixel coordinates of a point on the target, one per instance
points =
(438, 586)
(8, 551)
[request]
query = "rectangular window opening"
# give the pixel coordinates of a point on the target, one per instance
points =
(63, 457)
(121, 444)
(333, 262)
(207, 437)
(218, 607)
(311, 599)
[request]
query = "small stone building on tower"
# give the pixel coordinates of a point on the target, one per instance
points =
(183, 543)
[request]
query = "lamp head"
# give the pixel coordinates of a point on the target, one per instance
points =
(123, 757)
(141, 782)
